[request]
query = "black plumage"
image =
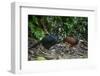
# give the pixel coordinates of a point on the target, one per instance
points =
(48, 41)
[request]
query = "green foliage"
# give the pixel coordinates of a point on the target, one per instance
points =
(40, 58)
(63, 26)
(77, 26)
(36, 31)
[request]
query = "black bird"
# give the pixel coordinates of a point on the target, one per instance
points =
(48, 41)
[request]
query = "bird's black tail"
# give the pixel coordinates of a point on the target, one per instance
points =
(33, 46)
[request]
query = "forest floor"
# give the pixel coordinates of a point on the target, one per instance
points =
(57, 51)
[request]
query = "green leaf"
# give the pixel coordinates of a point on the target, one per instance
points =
(40, 58)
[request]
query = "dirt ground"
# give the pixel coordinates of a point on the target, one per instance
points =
(57, 51)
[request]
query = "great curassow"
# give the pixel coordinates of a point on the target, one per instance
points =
(71, 40)
(52, 36)
(47, 41)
